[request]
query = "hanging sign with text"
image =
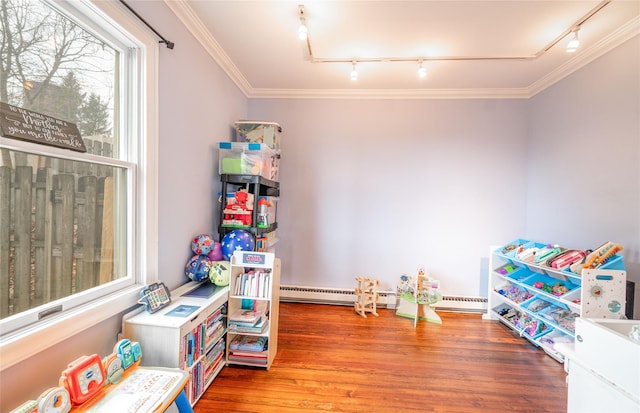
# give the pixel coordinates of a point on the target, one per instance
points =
(24, 124)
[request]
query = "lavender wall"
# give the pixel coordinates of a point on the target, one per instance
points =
(583, 158)
(378, 187)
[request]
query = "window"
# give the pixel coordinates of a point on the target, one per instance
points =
(77, 229)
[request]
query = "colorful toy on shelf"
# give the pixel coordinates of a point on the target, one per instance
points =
(263, 213)
(216, 252)
(83, 378)
(238, 213)
(219, 273)
(199, 265)
(601, 255)
(416, 295)
(565, 259)
(367, 296)
(547, 253)
(202, 244)
(237, 240)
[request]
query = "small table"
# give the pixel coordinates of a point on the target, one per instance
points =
(141, 390)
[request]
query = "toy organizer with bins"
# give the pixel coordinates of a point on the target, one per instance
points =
(541, 302)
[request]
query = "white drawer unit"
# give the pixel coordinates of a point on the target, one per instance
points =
(188, 334)
(603, 367)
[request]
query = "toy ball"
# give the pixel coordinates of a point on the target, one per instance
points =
(198, 267)
(219, 273)
(216, 252)
(237, 240)
(202, 244)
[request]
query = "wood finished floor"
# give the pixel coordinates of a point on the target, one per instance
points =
(332, 359)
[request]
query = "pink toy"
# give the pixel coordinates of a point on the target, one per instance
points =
(216, 252)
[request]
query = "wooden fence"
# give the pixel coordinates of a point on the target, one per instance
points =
(56, 229)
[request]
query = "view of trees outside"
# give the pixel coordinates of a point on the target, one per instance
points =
(52, 66)
(63, 219)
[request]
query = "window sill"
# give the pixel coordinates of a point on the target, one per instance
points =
(23, 344)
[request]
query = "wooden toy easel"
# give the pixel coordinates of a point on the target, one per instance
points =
(416, 296)
(367, 296)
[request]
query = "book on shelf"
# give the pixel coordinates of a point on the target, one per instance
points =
(249, 360)
(258, 327)
(255, 283)
(249, 343)
(250, 354)
(246, 316)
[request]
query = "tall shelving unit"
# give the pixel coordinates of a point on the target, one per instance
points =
(521, 296)
(258, 186)
(254, 288)
(189, 334)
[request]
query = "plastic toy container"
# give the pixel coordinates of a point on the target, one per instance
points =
(267, 133)
(248, 159)
(549, 285)
(509, 249)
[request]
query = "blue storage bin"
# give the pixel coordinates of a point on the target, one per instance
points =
(514, 293)
(531, 326)
(509, 249)
(521, 274)
(541, 283)
(536, 304)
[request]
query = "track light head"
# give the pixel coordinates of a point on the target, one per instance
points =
(303, 32)
(354, 72)
(573, 44)
(422, 71)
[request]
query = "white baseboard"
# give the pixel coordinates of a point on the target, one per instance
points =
(345, 296)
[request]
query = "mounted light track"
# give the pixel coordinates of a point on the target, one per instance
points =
(421, 59)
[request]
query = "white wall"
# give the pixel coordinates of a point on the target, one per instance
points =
(378, 187)
(584, 158)
(198, 104)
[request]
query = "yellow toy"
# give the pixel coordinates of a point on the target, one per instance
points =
(367, 296)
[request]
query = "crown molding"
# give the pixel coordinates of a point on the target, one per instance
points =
(193, 23)
(514, 93)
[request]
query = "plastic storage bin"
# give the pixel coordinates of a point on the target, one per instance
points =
(248, 159)
(267, 133)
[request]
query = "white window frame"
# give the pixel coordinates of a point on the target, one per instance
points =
(22, 344)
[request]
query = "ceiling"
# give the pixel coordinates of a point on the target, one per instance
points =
(471, 49)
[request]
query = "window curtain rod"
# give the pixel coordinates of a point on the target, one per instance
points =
(169, 44)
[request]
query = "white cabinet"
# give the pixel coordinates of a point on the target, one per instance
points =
(542, 303)
(603, 367)
(188, 334)
(254, 288)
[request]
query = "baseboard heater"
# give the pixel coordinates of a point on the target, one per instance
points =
(386, 299)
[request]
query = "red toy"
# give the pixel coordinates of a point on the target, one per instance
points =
(238, 214)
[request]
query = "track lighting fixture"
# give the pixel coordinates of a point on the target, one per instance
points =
(302, 29)
(354, 72)
(573, 44)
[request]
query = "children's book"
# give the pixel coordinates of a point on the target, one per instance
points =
(182, 311)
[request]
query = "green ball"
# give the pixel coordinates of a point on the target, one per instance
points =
(219, 273)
